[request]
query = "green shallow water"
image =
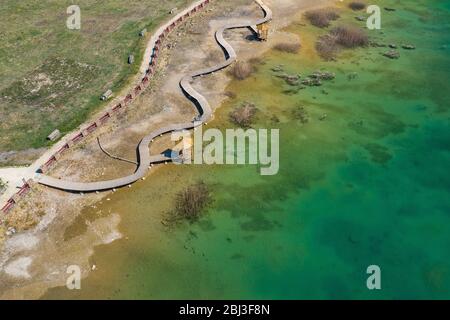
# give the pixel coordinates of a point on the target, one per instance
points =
(368, 185)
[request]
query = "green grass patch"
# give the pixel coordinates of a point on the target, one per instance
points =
(52, 77)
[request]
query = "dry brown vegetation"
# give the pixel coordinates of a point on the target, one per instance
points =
(191, 202)
(356, 5)
(322, 17)
(340, 37)
(293, 47)
(243, 116)
(350, 37)
(242, 70)
(327, 47)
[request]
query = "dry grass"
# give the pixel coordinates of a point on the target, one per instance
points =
(243, 116)
(356, 5)
(288, 47)
(350, 37)
(322, 17)
(242, 70)
(327, 48)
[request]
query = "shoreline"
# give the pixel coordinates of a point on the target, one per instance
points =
(219, 92)
(16, 174)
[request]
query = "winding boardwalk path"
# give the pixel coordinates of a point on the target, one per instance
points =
(205, 114)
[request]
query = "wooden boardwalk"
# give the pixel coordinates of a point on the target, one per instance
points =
(205, 113)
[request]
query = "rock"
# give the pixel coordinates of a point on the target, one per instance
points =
(360, 18)
(377, 45)
(292, 80)
(282, 76)
(393, 46)
(323, 75)
(278, 68)
(392, 54)
(10, 231)
(312, 82)
(323, 117)
(408, 47)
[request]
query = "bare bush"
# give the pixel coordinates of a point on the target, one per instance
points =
(322, 17)
(356, 5)
(350, 37)
(191, 202)
(243, 116)
(288, 47)
(242, 70)
(327, 47)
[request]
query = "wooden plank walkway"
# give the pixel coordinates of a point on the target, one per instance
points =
(205, 113)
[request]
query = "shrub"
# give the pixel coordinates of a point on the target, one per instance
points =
(322, 17)
(350, 37)
(356, 5)
(242, 70)
(327, 48)
(192, 201)
(288, 47)
(243, 115)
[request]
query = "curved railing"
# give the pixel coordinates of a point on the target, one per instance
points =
(144, 157)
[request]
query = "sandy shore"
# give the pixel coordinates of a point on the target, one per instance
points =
(46, 216)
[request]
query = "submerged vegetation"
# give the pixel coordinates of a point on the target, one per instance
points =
(190, 203)
(300, 113)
